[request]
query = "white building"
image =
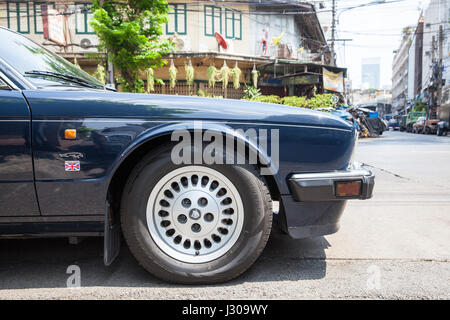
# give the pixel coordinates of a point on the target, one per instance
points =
(436, 14)
(400, 72)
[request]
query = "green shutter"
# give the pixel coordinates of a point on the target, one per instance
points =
(179, 19)
(213, 20)
(233, 24)
(84, 14)
(15, 7)
(38, 14)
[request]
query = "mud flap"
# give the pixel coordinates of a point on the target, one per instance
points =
(112, 237)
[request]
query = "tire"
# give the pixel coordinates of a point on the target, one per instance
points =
(426, 130)
(157, 251)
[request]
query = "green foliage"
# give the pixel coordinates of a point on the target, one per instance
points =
(130, 31)
(419, 106)
(322, 101)
(295, 101)
(251, 92)
(318, 101)
(201, 93)
(268, 99)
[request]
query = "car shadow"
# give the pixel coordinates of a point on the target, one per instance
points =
(44, 263)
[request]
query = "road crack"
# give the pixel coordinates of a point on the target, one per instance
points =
(387, 171)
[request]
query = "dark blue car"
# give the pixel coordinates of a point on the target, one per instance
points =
(189, 182)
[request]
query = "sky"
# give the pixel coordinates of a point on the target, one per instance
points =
(376, 33)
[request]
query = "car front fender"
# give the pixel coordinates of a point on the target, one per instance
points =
(167, 129)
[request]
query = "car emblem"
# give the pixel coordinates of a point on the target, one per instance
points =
(73, 155)
(72, 165)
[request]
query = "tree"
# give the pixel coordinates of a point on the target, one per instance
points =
(130, 31)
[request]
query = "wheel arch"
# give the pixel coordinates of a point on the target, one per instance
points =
(160, 135)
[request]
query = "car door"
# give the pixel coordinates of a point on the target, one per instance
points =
(17, 191)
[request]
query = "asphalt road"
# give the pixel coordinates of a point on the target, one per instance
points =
(394, 246)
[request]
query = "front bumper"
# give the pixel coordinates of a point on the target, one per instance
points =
(314, 208)
(323, 186)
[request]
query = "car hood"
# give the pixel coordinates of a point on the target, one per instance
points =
(101, 104)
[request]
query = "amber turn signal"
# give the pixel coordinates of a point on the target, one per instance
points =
(70, 134)
(348, 189)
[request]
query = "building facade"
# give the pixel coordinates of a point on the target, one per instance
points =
(26, 17)
(436, 53)
(400, 72)
(415, 55)
(257, 35)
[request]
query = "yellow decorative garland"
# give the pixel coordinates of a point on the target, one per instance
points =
(172, 74)
(150, 80)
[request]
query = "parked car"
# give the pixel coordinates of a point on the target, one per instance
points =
(77, 159)
(393, 123)
(402, 122)
(411, 119)
(425, 126)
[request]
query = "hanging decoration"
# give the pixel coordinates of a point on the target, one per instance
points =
(212, 74)
(150, 80)
(189, 69)
(100, 74)
(75, 62)
(225, 74)
(255, 74)
(276, 40)
(172, 74)
(236, 74)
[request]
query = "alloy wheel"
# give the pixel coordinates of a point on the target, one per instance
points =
(195, 214)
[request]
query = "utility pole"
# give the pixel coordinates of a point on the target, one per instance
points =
(333, 33)
(110, 71)
(439, 85)
(430, 103)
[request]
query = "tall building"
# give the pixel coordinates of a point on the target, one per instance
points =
(415, 66)
(436, 16)
(370, 73)
(400, 72)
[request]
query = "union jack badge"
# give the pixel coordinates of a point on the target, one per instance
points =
(72, 165)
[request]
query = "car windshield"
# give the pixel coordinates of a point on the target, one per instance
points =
(40, 66)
